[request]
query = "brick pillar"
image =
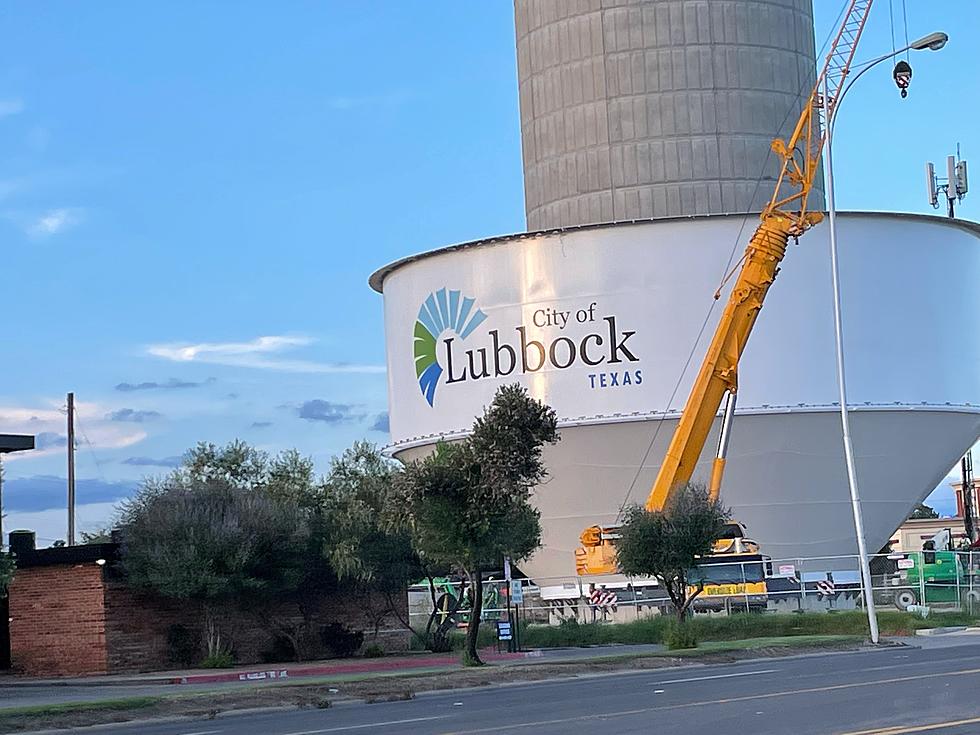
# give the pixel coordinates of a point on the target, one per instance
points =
(57, 620)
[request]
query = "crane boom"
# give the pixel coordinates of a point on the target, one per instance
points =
(786, 215)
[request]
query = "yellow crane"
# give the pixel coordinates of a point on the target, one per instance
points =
(788, 214)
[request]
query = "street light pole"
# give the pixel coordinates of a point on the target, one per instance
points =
(934, 41)
(842, 383)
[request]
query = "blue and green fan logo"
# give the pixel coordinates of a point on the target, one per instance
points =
(442, 310)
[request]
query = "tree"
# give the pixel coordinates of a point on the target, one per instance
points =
(205, 539)
(365, 547)
(467, 505)
(668, 544)
(6, 559)
(923, 511)
(289, 480)
(238, 464)
(6, 572)
(99, 536)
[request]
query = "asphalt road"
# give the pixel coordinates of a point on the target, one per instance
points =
(13, 694)
(891, 691)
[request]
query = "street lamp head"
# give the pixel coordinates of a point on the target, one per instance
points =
(933, 42)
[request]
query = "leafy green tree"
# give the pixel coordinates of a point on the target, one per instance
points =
(6, 559)
(923, 511)
(467, 505)
(100, 536)
(668, 544)
(237, 464)
(6, 572)
(364, 546)
(205, 539)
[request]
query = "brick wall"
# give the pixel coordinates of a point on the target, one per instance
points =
(137, 626)
(57, 621)
(77, 619)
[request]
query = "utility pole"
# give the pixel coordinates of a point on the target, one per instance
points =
(1, 502)
(71, 469)
(966, 468)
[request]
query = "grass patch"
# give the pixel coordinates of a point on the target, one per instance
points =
(751, 644)
(654, 629)
(109, 705)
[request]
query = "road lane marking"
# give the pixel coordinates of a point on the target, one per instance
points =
(201, 732)
(727, 700)
(903, 730)
(342, 728)
(717, 676)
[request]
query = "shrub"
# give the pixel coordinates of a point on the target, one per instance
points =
(219, 660)
(680, 636)
(340, 640)
(374, 651)
(281, 649)
(182, 645)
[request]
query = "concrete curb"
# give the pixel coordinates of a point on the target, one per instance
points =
(391, 665)
(942, 631)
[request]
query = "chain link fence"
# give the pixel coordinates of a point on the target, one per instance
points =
(918, 581)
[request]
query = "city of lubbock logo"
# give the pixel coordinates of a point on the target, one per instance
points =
(442, 310)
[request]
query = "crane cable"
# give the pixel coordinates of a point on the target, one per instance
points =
(729, 269)
(905, 27)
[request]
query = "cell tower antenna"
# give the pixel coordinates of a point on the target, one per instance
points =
(954, 187)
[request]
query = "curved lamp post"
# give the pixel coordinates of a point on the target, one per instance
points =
(932, 42)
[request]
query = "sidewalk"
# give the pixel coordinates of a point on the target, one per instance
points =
(265, 672)
(22, 692)
(335, 668)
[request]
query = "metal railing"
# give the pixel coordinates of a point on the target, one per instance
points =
(905, 581)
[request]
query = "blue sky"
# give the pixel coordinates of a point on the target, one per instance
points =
(192, 198)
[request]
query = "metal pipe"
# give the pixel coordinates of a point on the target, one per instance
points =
(718, 466)
(841, 382)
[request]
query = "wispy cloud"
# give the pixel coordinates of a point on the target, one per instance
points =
(48, 425)
(131, 414)
(40, 492)
(328, 412)
(381, 423)
(54, 221)
(11, 106)
(260, 353)
(152, 462)
(384, 99)
(261, 424)
(48, 439)
(172, 384)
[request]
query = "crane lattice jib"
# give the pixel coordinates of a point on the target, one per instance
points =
(784, 217)
(801, 153)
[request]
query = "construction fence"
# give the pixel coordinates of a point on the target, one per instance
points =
(937, 580)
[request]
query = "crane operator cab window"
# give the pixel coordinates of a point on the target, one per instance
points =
(724, 574)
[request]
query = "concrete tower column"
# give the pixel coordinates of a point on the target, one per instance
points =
(635, 109)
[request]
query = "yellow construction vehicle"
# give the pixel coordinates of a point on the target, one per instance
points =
(787, 215)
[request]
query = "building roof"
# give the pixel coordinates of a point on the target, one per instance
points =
(16, 442)
(55, 555)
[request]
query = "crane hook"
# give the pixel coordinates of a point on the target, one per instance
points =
(903, 77)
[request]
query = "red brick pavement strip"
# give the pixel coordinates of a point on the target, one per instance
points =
(360, 667)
